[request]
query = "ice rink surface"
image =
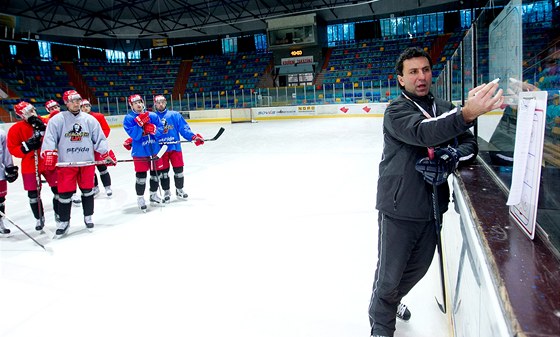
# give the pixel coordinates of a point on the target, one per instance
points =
(277, 239)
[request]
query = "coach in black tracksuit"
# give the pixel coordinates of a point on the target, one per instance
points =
(415, 121)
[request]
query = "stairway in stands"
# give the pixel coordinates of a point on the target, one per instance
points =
(182, 78)
(78, 82)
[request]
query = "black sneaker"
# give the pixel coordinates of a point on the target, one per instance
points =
(403, 312)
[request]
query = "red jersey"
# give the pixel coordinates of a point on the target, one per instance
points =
(18, 133)
(103, 122)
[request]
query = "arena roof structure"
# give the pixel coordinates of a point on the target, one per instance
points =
(192, 19)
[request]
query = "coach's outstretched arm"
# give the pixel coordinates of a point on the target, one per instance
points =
(481, 100)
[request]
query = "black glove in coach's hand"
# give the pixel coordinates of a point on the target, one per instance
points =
(436, 171)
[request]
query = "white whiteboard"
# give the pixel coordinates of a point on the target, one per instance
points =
(527, 160)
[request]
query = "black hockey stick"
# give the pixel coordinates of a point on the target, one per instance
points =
(206, 140)
(102, 162)
(24, 232)
(437, 222)
(39, 187)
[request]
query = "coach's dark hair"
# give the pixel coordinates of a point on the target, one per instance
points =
(409, 53)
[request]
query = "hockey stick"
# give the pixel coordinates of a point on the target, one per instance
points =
(24, 232)
(190, 141)
(102, 162)
(39, 185)
(437, 215)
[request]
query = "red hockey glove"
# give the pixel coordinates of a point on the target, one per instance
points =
(128, 144)
(109, 158)
(198, 139)
(50, 158)
(142, 118)
(149, 128)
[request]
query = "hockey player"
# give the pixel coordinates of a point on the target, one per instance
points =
(24, 141)
(103, 172)
(144, 129)
(174, 126)
(8, 172)
(52, 107)
(73, 136)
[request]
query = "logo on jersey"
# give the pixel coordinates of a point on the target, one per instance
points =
(77, 133)
(166, 126)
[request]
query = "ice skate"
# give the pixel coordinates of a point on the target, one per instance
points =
(167, 196)
(155, 199)
(108, 191)
(142, 203)
(88, 221)
(3, 229)
(95, 190)
(76, 200)
(181, 194)
(62, 228)
(40, 224)
(403, 312)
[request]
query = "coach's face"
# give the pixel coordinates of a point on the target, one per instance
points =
(417, 76)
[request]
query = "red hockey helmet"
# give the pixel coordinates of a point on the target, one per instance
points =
(51, 104)
(158, 98)
(134, 98)
(84, 102)
(71, 95)
(24, 109)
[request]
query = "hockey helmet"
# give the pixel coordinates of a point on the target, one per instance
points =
(84, 102)
(24, 109)
(159, 98)
(71, 95)
(51, 104)
(134, 98)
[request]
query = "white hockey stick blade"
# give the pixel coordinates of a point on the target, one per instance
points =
(161, 151)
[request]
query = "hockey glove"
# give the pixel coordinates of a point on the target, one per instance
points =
(142, 118)
(436, 171)
(109, 158)
(33, 143)
(36, 123)
(197, 139)
(149, 128)
(128, 144)
(11, 173)
(51, 158)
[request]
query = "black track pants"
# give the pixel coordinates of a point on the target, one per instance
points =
(405, 252)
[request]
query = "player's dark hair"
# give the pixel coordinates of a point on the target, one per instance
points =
(409, 53)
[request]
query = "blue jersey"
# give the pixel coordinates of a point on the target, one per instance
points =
(174, 125)
(143, 145)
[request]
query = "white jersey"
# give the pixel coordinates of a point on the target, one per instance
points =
(5, 156)
(76, 137)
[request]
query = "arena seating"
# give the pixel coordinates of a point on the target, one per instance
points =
(227, 72)
(117, 81)
(34, 81)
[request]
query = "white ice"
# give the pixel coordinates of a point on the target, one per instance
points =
(277, 239)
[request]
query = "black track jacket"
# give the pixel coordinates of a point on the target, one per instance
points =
(402, 192)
